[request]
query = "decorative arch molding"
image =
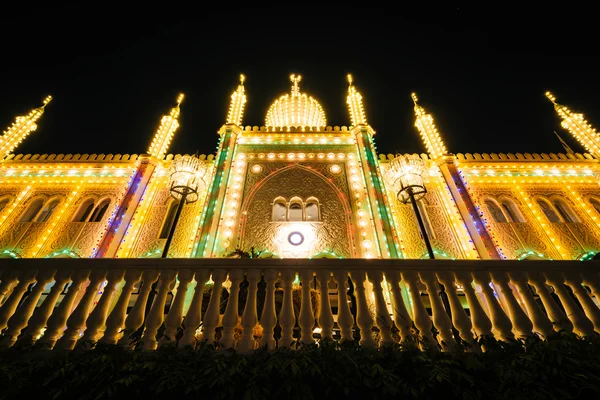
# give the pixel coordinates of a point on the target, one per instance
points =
(9, 254)
(332, 231)
(532, 255)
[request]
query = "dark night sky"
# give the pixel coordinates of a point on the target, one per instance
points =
(482, 73)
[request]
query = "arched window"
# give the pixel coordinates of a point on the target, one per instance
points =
(169, 219)
(47, 210)
(512, 211)
(34, 207)
(84, 211)
(495, 211)
(595, 203)
(3, 203)
(100, 210)
(547, 209)
(295, 210)
(312, 209)
(565, 211)
(279, 210)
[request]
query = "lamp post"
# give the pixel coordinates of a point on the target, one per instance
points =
(184, 179)
(407, 173)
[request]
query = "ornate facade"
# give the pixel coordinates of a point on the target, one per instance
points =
(294, 188)
(297, 174)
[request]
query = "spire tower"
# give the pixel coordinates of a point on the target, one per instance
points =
(429, 133)
(19, 130)
(576, 124)
(168, 125)
(355, 104)
(238, 100)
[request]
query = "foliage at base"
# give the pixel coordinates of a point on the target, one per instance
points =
(561, 367)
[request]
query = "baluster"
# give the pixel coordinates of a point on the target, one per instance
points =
(76, 322)
(401, 317)
(58, 319)
(501, 324)
(481, 322)
(156, 315)
(287, 317)
(193, 317)
(40, 316)
(268, 319)
(7, 309)
(211, 317)
(306, 318)
(540, 321)
(421, 318)
(363, 315)
(230, 318)
(344, 319)
(440, 317)
(383, 319)
(325, 315)
(116, 319)
(460, 319)
(9, 279)
(557, 316)
(581, 324)
(19, 319)
(591, 310)
(136, 316)
(175, 315)
(592, 280)
(249, 317)
(97, 318)
(520, 321)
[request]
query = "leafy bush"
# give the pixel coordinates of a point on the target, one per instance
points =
(562, 367)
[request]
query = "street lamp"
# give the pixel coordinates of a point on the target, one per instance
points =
(406, 173)
(185, 175)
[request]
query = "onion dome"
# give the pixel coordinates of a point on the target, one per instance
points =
(295, 109)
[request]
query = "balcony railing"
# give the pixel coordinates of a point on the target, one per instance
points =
(249, 303)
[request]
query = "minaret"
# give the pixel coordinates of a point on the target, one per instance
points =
(354, 100)
(429, 133)
(236, 107)
(19, 130)
(577, 125)
(168, 125)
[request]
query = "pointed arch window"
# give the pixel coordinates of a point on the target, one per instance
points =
(84, 211)
(47, 210)
(312, 210)
(3, 203)
(510, 208)
(34, 207)
(100, 210)
(279, 212)
(548, 211)
(565, 211)
(169, 219)
(595, 203)
(495, 211)
(295, 211)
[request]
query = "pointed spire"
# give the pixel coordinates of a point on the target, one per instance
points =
(238, 100)
(564, 144)
(429, 133)
(295, 80)
(163, 136)
(19, 130)
(354, 100)
(576, 124)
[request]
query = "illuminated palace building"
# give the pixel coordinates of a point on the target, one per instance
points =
(296, 231)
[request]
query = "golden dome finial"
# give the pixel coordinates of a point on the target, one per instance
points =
(180, 99)
(349, 78)
(242, 79)
(551, 97)
(47, 100)
(295, 80)
(414, 98)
